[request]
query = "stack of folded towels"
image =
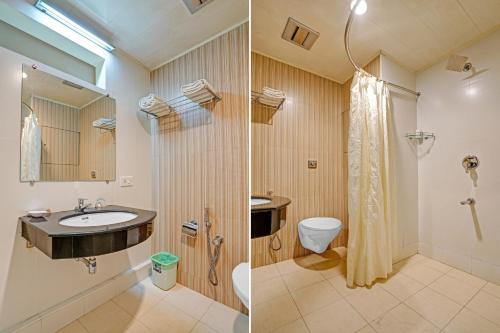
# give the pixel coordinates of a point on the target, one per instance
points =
(199, 91)
(271, 97)
(154, 104)
(104, 123)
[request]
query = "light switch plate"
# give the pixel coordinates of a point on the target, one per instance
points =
(312, 164)
(126, 181)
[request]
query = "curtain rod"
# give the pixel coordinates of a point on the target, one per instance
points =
(348, 51)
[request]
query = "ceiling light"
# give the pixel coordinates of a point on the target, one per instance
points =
(60, 17)
(361, 7)
(25, 75)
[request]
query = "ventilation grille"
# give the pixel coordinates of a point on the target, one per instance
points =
(195, 5)
(299, 34)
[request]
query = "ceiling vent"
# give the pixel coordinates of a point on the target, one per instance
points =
(195, 5)
(299, 34)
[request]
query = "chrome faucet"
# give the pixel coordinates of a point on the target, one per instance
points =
(99, 203)
(469, 201)
(82, 206)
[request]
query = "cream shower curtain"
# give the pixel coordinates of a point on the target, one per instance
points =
(369, 253)
(31, 143)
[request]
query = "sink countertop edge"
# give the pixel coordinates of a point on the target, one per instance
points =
(52, 228)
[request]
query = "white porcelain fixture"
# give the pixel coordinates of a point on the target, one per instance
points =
(240, 282)
(259, 201)
(97, 219)
(316, 233)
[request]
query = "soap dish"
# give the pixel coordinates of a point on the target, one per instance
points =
(39, 213)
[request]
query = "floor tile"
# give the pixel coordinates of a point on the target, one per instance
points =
(74, 327)
(492, 289)
(433, 306)
(298, 326)
(138, 299)
(108, 317)
(340, 284)
(301, 279)
(189, 301)
(458, 291)
(164, 317)
(331, 268)
(372, 302)
(437, 265)
(315, 296)
(202, 328)
(366, 329)
(223, 319)
(135, 326)
(486, 305)
(401, 286)
(290, 266)
(403, 319)
(467, 278)
(264, 273)
(266, 290)
(421, 273)
(271, 315)
(337, 317)
(469, 322)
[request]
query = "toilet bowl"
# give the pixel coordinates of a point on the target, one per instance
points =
(240, 282)
(316, 233)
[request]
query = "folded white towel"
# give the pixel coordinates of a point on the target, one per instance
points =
(199, 91)
(273, 92)
(104, 123)
(271, 97)
(154, 104)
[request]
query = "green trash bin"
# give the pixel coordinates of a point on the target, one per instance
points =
(164, 270)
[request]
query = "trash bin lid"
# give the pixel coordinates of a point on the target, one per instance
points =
(164, 258)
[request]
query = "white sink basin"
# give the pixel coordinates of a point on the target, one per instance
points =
(97, 219)
(259, 201)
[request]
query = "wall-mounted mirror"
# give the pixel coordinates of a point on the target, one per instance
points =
(67, 130)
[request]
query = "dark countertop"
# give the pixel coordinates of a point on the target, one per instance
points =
(276, 203)
(50, 224)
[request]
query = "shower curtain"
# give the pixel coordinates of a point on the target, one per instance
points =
(369, 254)
(31, 145)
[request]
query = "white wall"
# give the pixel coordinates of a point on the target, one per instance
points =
(465, 116)
(30, 282)
(404, 159)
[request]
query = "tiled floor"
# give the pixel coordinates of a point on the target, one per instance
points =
(309, 294)
(145, 308)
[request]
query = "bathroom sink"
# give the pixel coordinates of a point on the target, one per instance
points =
(97, 219)
(259, 201)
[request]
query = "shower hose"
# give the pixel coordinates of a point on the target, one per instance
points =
(213, 257)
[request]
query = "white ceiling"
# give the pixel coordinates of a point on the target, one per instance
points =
(41, 84)
(154, 31)
(415, 33)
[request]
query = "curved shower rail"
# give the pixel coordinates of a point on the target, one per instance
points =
(348, 51)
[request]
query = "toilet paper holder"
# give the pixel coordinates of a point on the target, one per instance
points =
(190, 228)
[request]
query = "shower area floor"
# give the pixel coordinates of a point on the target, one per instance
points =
(309, 294)
(144, 308)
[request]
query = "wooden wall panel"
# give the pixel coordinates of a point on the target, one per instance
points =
(309, 126)
(98, 147)
(202, 160)
(60, 140)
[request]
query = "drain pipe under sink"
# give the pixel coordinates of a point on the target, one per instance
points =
(90, 263)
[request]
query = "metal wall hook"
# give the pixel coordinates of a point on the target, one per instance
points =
(470, 162)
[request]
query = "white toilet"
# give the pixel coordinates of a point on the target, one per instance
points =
(316, 233)
(241, 281)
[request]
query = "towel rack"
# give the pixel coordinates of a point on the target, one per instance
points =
(257, 95)
(181, 104)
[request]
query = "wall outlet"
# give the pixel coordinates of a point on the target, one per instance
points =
(312, 164)
(126, 181)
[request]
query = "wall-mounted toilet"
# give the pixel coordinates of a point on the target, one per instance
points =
(316, 233)
(241, 281)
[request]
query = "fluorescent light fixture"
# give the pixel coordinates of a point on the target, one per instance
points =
(60, 17)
